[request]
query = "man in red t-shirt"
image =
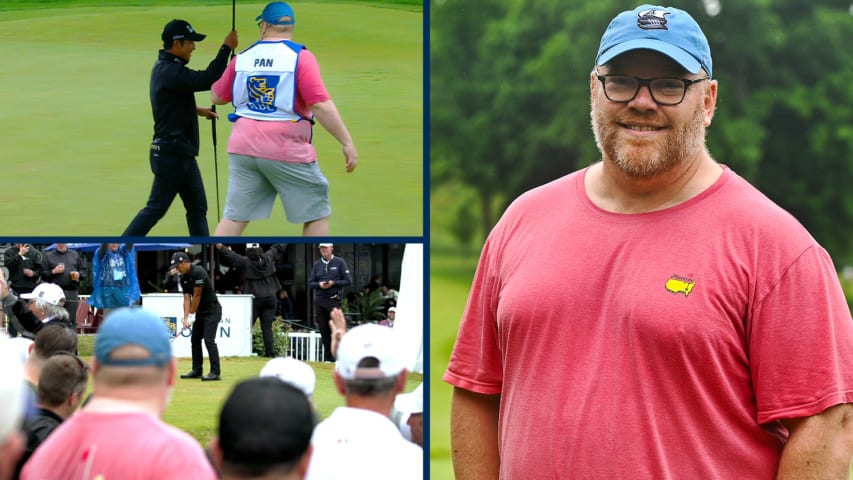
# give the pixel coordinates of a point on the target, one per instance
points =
(691, 329)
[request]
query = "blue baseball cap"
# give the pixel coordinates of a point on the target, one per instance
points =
(275, 13)
(133, 326)
(667, 30)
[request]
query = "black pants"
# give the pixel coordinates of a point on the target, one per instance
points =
(174, 174)
(264, 308)
(72, 301)
(204, 327)
(324, 314)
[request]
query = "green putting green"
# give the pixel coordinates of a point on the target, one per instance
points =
(77, 121)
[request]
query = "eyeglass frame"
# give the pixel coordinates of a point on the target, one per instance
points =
(647, 82)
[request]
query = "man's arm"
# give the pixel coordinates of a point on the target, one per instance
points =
(82, 269)
(276, 252)
(338, 325)
(230, 258)
(196, 299)
(201, 80)
(187, 301)
(820, 446)
(314, 278)
(346, 276)
(474, 435)
(39, 270)
(327, 114)
(12, 259)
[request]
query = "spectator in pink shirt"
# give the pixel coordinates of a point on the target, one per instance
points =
(278, 93)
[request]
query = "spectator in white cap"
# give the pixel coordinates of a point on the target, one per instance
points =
(369, 373)
(12, 406)
(296, 373)
(120, 432)
(389, 322)
(293, 371)
(37, 308)
(408, 414)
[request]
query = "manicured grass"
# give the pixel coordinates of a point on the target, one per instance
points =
(77, 121)
(195, 404)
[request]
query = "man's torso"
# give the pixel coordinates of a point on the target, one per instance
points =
(628, 344)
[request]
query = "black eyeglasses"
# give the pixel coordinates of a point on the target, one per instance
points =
(665, 90)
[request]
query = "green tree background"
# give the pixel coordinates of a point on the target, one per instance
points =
(509, 104)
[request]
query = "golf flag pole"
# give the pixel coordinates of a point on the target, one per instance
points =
(233, 21)
(213, 120)
(215, 160)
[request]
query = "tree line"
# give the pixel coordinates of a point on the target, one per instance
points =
(509, 100)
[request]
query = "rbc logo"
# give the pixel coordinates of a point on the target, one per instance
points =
(262, 93)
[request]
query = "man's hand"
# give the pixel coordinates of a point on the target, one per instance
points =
(189, 320)
(28, 272)
(231, 41)
(351, 157)
(206, 113)
(338, 324)
(4, 287)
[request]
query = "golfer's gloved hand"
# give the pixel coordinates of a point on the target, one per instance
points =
(191, 319)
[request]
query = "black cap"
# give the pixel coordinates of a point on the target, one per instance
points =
(178, 29)
(179, 257)
(264, 422)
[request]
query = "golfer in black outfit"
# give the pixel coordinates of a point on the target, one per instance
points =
(175, 143)
(329, 276)
(200, 304)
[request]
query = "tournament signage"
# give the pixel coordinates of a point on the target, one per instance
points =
(233, 334)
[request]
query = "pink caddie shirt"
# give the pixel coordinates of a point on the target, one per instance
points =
(662, 345)
(281, 141)
(118, 446)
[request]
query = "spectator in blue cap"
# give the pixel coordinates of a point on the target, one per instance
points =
(120, 432)
(278, 94)
(697, 330)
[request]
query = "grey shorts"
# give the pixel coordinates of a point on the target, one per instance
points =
(253, 184)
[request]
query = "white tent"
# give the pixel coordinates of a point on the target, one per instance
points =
(409, 323)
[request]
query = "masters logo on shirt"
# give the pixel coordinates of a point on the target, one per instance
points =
(680, 284)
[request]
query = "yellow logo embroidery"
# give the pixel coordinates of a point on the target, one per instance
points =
(679, 284)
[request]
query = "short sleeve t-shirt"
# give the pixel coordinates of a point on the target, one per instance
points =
(660, 345)
(197, 277)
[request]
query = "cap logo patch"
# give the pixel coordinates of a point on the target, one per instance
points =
(652, 19)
